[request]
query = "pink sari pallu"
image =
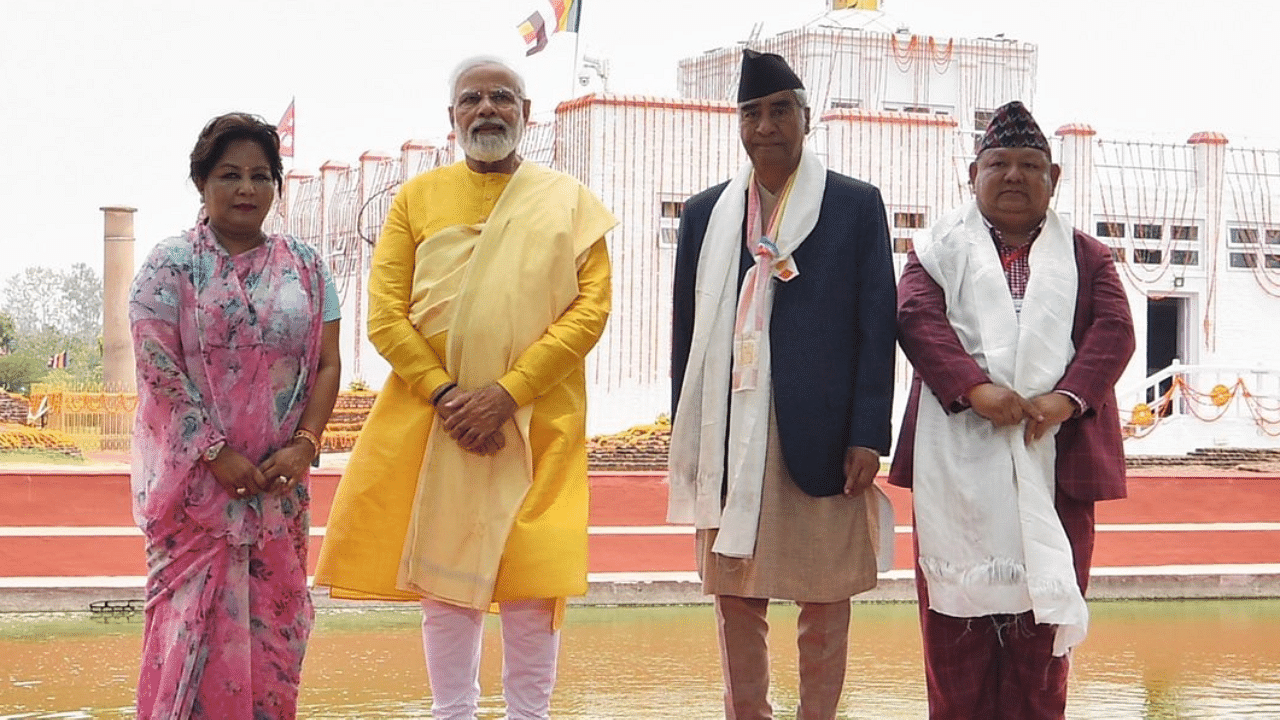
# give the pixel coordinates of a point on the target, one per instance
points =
(227, 348)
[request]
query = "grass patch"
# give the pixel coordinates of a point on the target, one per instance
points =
(382, 617)
(37, 627)
(44, 457)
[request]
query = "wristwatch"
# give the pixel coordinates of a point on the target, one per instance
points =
(213, 450)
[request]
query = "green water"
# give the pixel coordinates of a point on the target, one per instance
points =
(1149, 660)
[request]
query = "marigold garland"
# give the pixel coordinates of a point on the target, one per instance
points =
(1144, 418)
(21, 437)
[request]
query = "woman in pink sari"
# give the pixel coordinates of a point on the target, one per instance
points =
(236, 338)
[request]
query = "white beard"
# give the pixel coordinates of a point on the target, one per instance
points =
(491, 147)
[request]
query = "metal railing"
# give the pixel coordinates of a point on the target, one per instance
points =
(95, 418)
(1208, 393)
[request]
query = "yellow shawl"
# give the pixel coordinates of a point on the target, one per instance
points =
(458, 530)
(411, 490)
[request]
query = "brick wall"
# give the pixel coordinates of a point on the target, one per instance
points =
(13, 409)
(627, 451)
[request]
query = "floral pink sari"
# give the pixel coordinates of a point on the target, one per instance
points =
(227, 348)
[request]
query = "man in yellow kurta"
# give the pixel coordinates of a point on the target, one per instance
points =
(468, 485)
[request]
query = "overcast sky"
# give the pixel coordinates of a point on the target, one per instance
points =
(101, 100)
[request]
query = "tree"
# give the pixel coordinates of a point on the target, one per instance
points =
(8, 334)
(53, 311)
(32, 299)
(18, 372)
(68, 303)
(82, 291)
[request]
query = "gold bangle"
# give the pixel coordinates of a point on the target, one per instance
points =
(309, 437)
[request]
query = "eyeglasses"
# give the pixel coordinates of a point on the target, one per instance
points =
(500, 98)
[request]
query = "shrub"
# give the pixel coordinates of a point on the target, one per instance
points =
(21, 437)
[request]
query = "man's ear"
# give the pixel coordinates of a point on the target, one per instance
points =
(1055, 172)
(527, 105)
(973, 173)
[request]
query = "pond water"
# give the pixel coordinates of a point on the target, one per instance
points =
(1149, 660)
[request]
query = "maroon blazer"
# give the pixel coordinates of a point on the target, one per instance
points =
(1090, 464)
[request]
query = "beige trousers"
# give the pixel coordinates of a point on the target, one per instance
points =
(822, 637)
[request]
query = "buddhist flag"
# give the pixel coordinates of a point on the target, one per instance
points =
(285, 131)
(568, 14)
(855, 4)
(59, 360)
(565, 16)
(535, 33)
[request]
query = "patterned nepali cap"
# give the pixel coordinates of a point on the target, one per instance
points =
(1011, 127)
(765, 74)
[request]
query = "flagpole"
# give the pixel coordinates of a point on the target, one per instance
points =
(577, 62)
(573, 69)
(287, 128)
(294, 140)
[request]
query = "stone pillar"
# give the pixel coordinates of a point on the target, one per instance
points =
(1211, 164)
(1075, 186)
(368, 173)
(303, 220)
(419, 156)
(329, 173)
(117, 276)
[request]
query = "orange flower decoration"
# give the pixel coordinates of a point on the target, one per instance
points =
(1220, 395)
(1142, 415)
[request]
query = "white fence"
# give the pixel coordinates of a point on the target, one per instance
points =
(1185, 407)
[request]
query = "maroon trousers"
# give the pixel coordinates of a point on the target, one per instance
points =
(1001, 667)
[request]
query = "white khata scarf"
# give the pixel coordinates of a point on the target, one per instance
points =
(697, 459)
(990, 539)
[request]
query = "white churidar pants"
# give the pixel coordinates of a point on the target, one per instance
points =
(451, 638)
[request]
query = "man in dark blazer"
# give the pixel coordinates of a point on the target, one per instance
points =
(1009, 663)
(782, 386)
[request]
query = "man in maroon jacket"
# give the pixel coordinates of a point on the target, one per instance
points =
(1019, 328)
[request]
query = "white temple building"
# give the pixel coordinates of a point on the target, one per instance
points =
(1194, 226)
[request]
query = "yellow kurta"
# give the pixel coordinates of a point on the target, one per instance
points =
(544, 555)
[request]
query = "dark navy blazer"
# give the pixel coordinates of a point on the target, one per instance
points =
(831, 334)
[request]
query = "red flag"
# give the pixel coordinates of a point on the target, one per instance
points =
(285, 131)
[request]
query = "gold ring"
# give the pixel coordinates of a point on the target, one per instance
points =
(282, 479)
(241, 491)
